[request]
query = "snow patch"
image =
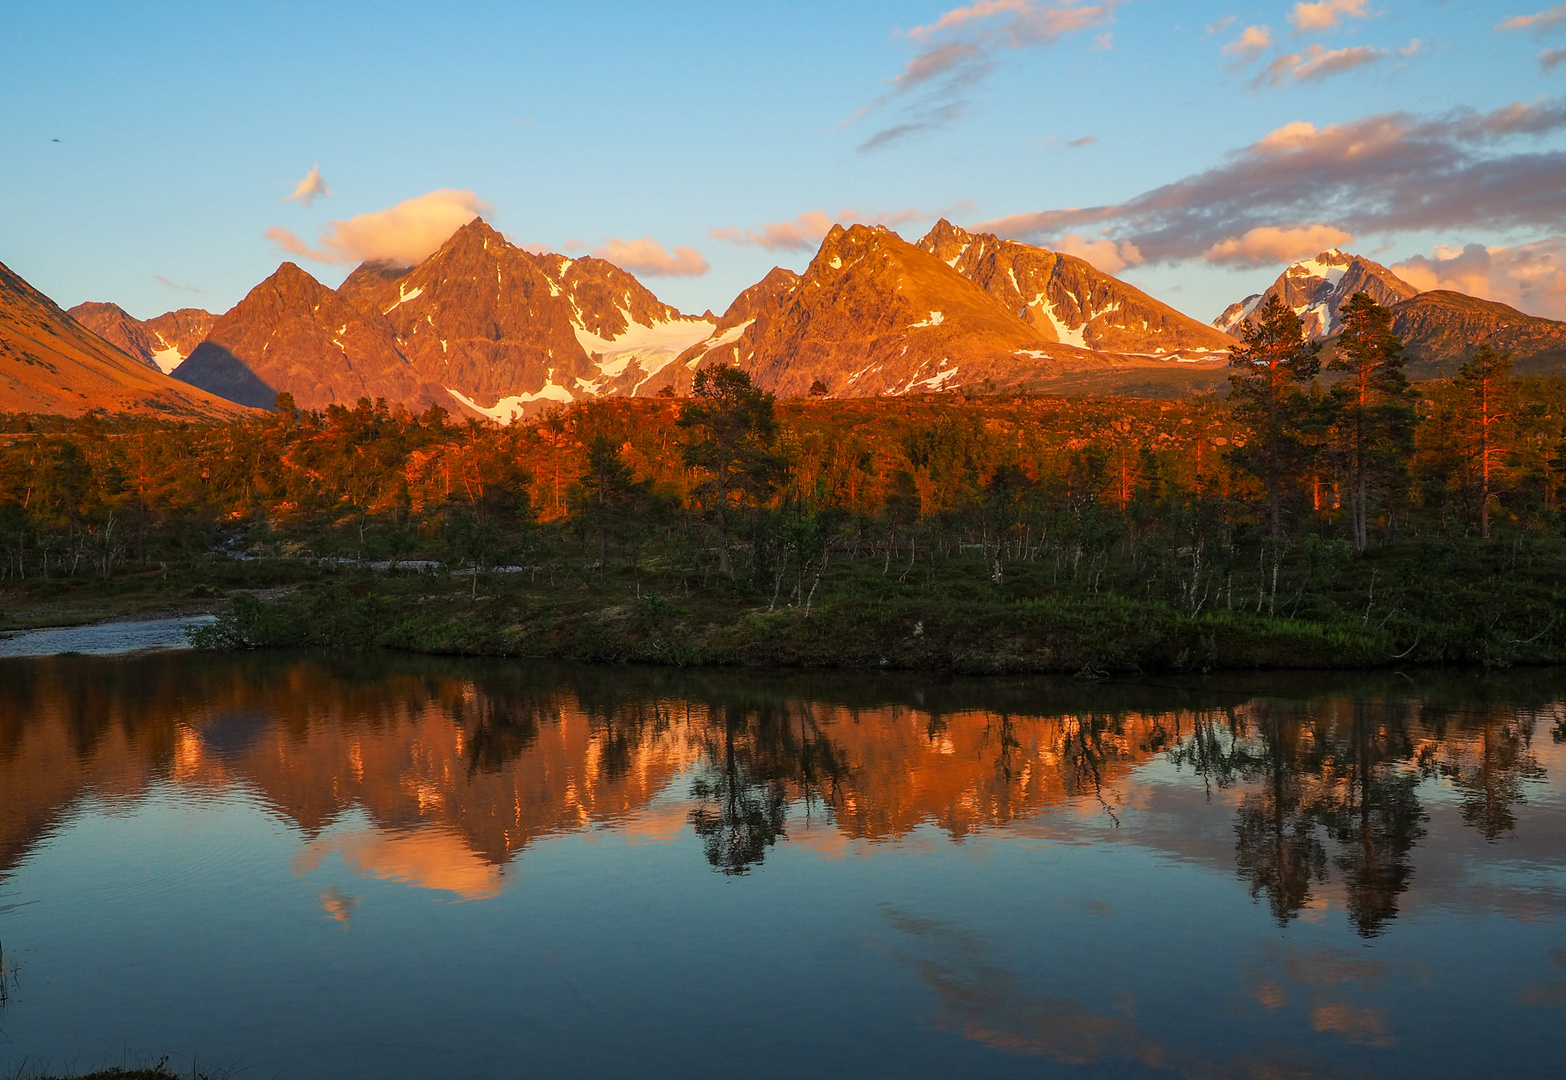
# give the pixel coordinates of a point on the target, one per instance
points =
(403, 296)
(506, 409)
(652, 348)
(1064, 333)
(167, 358)
(936, 319)
(836, 263)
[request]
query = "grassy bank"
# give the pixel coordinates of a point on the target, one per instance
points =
(1449, 603)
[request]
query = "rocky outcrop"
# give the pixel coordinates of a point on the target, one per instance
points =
(1441, 329)
(162, 342)
(1068, 300)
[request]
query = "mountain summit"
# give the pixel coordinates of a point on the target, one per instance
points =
(1317, 288)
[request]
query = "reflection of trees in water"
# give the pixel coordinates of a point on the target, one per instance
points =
(752, 756)
(1348, 771)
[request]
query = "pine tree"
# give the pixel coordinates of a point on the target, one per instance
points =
(1373, 407)
(1273, 363)
(1485, 383)
(604, 496)
(733, 439)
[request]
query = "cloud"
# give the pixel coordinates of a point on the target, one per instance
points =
(310, 188)
(647, 256)
(1252, 42)
(1531, 277)
(402, 235)
(1271, 244)
(1105, 255)
(1550, 58)
(1535, 24)
(178, 286)
(1222, 24)
(1327, 14)
(958, 51)
(1385, 173)
(806, 231)
(1316, 64)
(1086, 140)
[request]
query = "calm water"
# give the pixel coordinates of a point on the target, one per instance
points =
(309, 866)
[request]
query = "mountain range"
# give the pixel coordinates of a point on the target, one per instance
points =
(485, 328)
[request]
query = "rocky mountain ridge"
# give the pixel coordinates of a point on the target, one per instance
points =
(1316, 289)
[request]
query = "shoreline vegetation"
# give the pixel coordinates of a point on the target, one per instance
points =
(1291, 524)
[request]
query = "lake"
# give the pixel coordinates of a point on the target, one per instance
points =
(366, 865)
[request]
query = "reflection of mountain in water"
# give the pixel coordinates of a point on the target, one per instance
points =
(438, 774)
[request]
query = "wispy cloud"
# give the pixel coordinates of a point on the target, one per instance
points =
(309, 189)
(1382, 174)
(805, 232)
(1252, 42)
(647, 256)
(402, 235)
(177, 286)
(1549, 59)
(1327, 14)
(1317, 63)
(1530, 277)
(958, 51)
(1537, 23)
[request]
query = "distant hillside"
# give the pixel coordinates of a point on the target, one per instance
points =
(50, 363)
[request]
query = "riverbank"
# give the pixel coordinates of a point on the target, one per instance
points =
(1479, 605)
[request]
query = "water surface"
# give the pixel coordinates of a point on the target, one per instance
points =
(364, 866)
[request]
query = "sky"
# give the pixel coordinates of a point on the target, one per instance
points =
(166, 155)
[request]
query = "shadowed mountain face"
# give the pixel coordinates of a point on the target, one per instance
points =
(292, 333)
(1441, 329)
(50, 363)
(162, 342)
(1317, 288)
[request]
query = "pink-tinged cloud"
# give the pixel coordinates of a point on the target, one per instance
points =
(309, 189)
(1382, 174)
(805, 232)
(1531, 278)
(1267, 244)
(959, 50)
(1251, 43)
(1105, 255)
(647, 256)
(1316, 64)
(1536, 23)
(1327, 14)
(402, 235)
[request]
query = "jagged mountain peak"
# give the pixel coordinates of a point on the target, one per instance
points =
(1317, 288)
(1067, 299)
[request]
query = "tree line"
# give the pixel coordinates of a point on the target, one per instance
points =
(1248, 500)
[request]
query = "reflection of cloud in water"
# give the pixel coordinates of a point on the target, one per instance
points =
(430, 858)
(988, 1004)
(339, 905)
(1362, 1025)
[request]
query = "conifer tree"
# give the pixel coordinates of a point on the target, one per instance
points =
(1272, 365)
(1373, 407)
(733, 439)
(1485, 383)
(603, 498)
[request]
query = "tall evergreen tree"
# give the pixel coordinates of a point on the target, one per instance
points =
(1272, 365)
(733, 439)
(1373, 407)
(1486, 385)
(603, 498)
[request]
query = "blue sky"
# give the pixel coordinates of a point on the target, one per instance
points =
(184, 127)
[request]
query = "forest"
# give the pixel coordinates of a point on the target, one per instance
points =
(1322, 512)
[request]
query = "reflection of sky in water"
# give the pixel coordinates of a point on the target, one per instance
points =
(447, 870)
